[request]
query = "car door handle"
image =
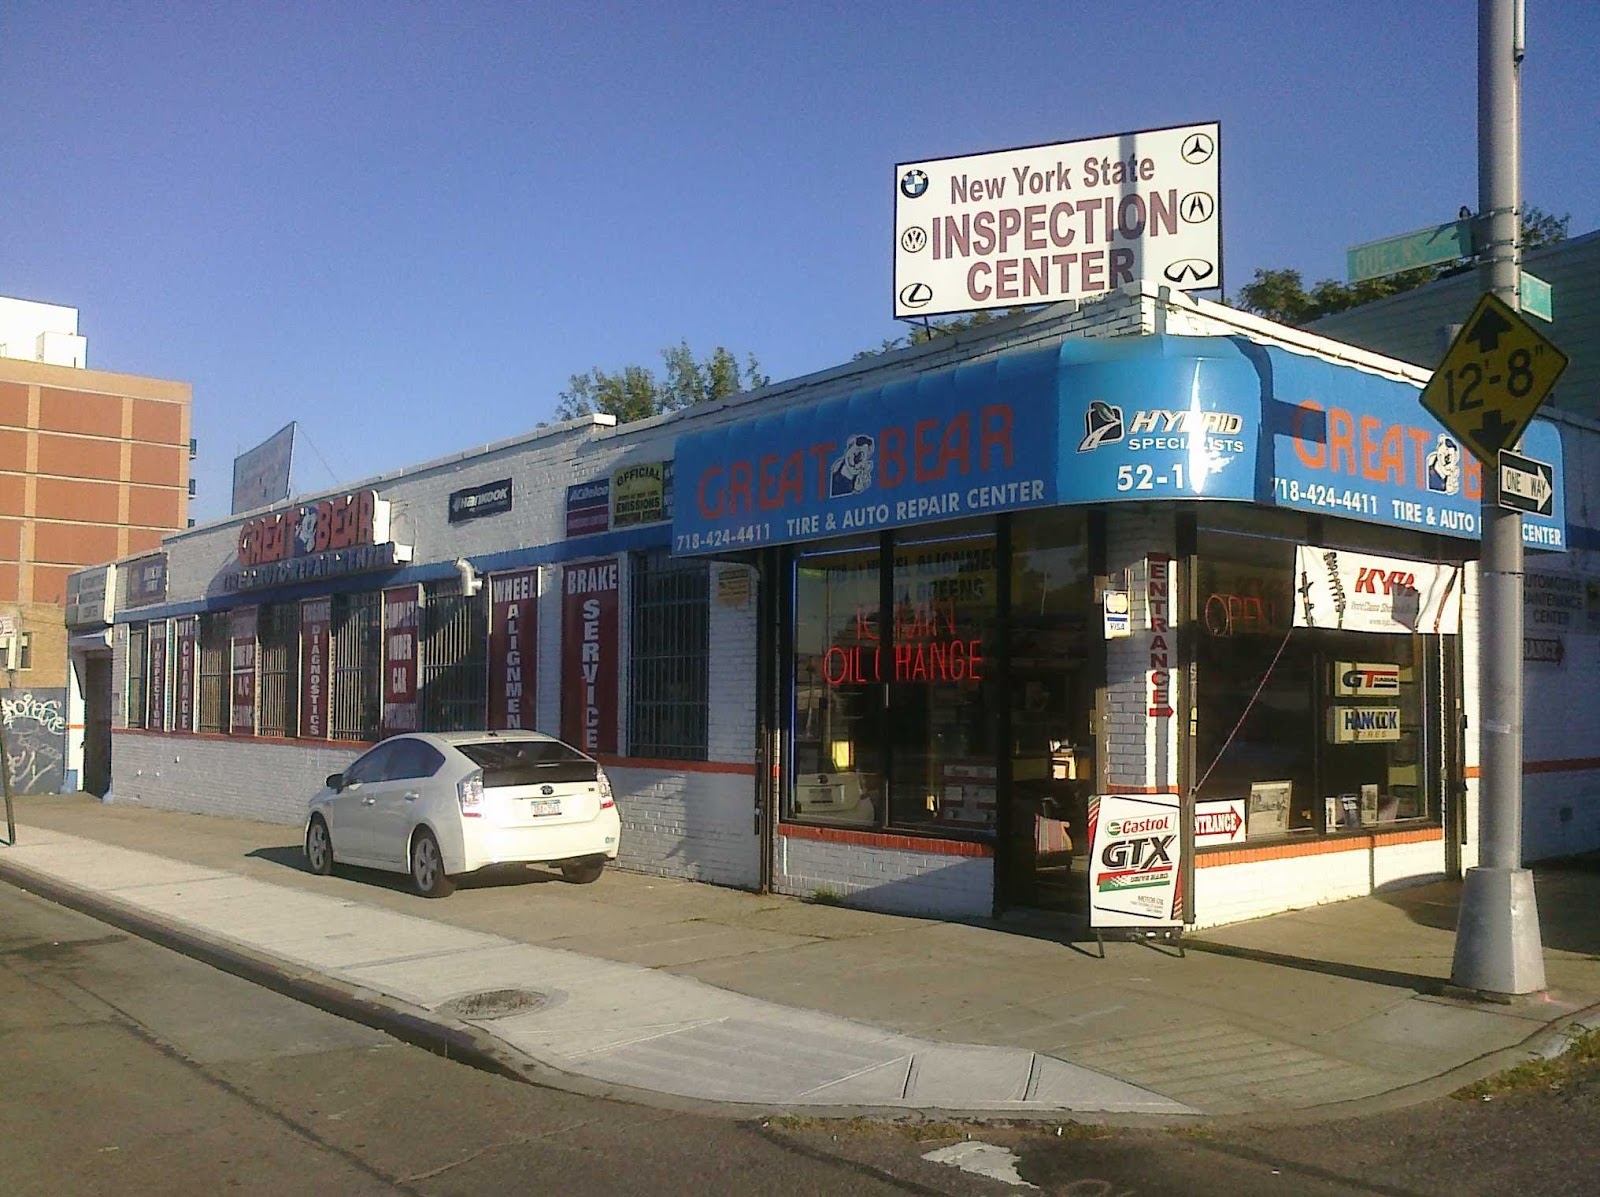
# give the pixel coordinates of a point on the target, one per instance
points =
(413, 795)
(369, 802)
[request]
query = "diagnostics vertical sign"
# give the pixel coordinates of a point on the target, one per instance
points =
(402, 610)
(513, 647)
(316, 616)
(589, 647)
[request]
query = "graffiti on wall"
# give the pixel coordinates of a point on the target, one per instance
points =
(36, 739)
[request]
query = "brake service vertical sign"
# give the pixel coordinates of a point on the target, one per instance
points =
(316, 616)
(513, 636)
(402, 609)
(589, 648)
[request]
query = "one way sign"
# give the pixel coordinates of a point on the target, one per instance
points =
(1526, 484)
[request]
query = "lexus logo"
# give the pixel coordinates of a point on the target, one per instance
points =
(914, 239)
(1188, 271)
(1197, 207)
(1198, 148)
(913, 183)
(916, 295)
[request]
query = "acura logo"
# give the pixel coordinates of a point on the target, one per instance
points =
(1197, 207)
(1188, 270)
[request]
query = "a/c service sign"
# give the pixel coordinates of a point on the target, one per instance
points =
(1057, 222)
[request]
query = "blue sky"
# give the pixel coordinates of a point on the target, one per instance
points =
(406, 225)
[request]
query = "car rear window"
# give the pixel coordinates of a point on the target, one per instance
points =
(528, 762)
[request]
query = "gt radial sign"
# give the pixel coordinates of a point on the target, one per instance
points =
(1055, 222)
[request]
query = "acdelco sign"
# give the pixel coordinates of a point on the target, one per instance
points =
(343, 522)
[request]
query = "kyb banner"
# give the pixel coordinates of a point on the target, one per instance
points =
(589, 646)
(1136, 854)
(1360, 592)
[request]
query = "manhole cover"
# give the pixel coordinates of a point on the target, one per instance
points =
(494, 1003)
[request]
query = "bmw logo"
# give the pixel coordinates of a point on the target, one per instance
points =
(913, 183)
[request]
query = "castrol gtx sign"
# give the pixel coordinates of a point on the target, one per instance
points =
(1054, 222)
(1135, 857)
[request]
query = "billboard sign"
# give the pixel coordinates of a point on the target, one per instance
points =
(261, 475)
(1053, 222)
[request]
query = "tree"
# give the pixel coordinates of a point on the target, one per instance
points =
(921, 334)
(1281, 294)
(636, 393)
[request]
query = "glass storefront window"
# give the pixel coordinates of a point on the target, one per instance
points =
(1314, 731)
(838, 746)
(941, 709)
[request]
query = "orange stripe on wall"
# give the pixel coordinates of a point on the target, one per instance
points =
(1575, 765)
(1345, 843)
(877, 839)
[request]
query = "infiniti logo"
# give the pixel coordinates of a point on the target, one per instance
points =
(1188, 270)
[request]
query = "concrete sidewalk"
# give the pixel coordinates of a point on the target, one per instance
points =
(662, 990)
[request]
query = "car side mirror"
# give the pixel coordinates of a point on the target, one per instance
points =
(335, 782)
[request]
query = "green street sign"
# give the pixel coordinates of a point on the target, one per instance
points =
(1534, 297)
(1425, 247)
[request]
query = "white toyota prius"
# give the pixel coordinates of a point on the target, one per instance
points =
(437, 805)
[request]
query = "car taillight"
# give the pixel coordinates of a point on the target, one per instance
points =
(607, 801)
(469, 792)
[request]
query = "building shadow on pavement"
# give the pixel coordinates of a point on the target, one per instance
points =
(494, 877)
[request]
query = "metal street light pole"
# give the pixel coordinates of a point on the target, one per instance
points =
(1498, 949)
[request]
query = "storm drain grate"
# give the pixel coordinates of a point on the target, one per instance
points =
(494, 1003)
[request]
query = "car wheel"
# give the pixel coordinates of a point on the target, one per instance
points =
(427, 867)
(583, 873)
(319, 847)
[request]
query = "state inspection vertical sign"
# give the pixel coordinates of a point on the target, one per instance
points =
(1063, 221)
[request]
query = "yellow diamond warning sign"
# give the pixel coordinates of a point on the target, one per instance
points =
(1496, 374)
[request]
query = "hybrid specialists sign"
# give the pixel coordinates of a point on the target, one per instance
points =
(1054, 222)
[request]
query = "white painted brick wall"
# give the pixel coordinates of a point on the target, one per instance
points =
(887, 879)
(1138, 746)
(241, 779)
(696, 825)
(1231, 893)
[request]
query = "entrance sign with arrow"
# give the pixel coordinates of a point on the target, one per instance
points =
(1526, 484)
(1495, 375)
(1219, 822)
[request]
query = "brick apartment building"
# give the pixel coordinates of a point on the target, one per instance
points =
(93, 466)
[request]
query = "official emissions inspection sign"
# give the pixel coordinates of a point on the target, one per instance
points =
(1495, 375)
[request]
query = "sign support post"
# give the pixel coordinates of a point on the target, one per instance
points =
(1498, 948)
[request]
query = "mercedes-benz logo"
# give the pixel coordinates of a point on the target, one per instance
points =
(914, 239)
(1197, 207)
(916, 295)
(1198, 148)
(1188, 270)
(913, 183)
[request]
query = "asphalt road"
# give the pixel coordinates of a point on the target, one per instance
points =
(126, 1069)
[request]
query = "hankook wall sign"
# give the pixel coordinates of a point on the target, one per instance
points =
(1062, 221)
(476, 502)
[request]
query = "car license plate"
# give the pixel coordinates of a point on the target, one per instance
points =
(544, 806)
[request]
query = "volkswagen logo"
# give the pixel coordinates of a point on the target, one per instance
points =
(1188, 271)
(1198, 148)
(913, 183)
(547, 790)
(914, 239)
(916, 295)
(1197, 207)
